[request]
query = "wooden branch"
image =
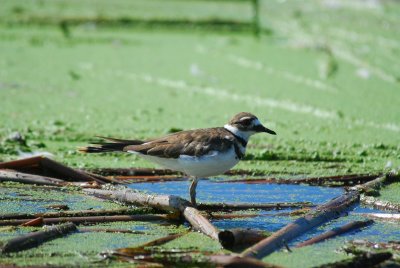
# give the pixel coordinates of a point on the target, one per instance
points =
(164, 202)
(36, 238)
(381, 216)
(341, 180)
(240, 237)
(379, 204)
(156, 242)
(78, 213)
(354, 225)
(361, 261)
(70, 174)
(316, 217)
(92, 219)
(243, 206)
(173, 258)
(21, 163)
(234, 216)
(369, 187)
(376, 246)
(106, 230)
(34, 222)
(41, 165)
(7, 175)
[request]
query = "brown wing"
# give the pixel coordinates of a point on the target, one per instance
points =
(191, 142)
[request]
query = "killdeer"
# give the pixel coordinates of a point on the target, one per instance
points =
(198, 153)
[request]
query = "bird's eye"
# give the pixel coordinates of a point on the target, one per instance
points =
(245, 122)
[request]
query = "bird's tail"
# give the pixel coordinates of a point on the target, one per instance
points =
(109, 145)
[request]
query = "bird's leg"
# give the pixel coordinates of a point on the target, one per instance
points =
(192, 191)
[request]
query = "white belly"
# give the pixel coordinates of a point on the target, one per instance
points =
(212, 164)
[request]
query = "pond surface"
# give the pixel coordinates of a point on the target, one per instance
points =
(211, 191)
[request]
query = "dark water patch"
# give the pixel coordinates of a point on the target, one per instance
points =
(207, 191)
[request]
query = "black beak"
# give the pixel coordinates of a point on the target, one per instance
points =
(261, 128)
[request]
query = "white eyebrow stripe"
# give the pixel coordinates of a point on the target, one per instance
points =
(244, 118)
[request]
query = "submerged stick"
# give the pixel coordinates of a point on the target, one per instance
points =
(379, 204)
(381, 216)
(78, 213)
(392, 245)
(6, 175)
(36, 238)
(243, 206)
(360, 261)
(164, 202)
(173, 258)
(156, 242)
(240, 237)
(92, 219)
(312, 219)
(106, 230)
(355, 225)
(370, 186)
(341, 180)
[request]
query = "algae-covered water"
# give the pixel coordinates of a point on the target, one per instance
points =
(323, 74)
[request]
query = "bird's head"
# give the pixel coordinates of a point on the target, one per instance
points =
(246, 124)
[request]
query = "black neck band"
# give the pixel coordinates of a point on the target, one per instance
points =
(240, 139)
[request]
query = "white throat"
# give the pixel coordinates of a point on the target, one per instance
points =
(243, 134)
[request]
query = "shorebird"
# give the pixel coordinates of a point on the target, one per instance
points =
(198, 153)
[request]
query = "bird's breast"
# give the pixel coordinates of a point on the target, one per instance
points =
(212, 164)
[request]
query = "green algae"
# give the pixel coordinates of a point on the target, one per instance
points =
(20, 198)
(391, 193)
(326, 80)
(319, 144)
(203, 243)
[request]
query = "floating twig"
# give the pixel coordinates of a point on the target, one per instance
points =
(34, 222)
(234, 216)
(360, 261)
(8, 175)
(173, 258)
(92, 219)
(36, 238)
(312, 219)
(379, 204)
(44, 166)
(152, 243)
(244, 206)
(240, 237)
(106, 230)
(381, 216)
(354, 225)
(392, 245)
(71, 213)
(164, 202)
(336, 181)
